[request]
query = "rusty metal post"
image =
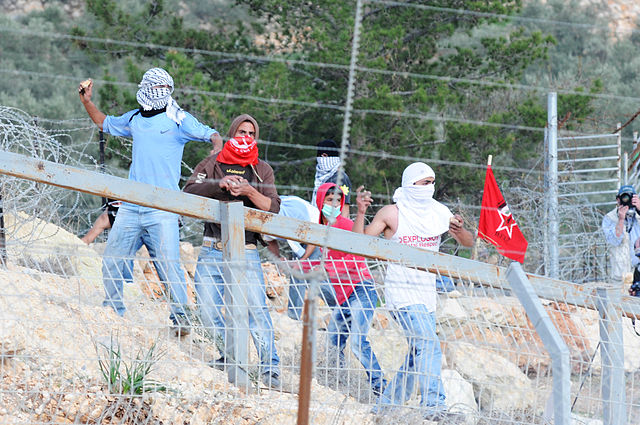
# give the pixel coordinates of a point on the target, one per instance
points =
(235, 299)
(306, 359)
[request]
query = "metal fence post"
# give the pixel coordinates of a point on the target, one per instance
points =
(551, 339)
(235, 299)
(612, 355)
(626, 168)
(552, 184)
(3, 241)
(619, 143)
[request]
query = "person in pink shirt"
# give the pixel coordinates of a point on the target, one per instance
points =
(355, 294)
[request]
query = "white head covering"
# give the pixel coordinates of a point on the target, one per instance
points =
(157, 98)
(423, 215)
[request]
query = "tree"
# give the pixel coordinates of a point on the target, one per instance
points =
(408, 55)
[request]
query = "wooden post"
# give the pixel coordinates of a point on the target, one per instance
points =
(306, 364)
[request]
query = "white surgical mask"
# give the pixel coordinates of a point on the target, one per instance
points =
(330, 211)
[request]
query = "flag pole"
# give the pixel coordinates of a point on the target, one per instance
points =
(474, 250)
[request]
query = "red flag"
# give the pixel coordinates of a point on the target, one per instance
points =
(497, 225)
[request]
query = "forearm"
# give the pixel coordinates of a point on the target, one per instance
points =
(273, 248)
(216, 141)
(620, 228)
(358, 224)
(464, 237)
(94, 113)
(208, 189)
(261, 201)
(308, 251)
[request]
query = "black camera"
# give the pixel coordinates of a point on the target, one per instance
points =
(625, 200)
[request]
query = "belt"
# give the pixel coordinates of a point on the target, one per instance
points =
(208, 242)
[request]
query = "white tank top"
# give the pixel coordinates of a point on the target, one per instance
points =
(405, 286)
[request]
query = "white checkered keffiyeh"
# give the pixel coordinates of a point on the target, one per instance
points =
(157, 98)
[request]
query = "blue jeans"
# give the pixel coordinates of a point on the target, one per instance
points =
(298, 289)
(444, 284)
(158, 230)
(210, 284)
(353, 317)
(127, 271)
(423, 362)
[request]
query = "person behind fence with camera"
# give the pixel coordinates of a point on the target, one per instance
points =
(416, 219)
(236, 174)
(621, 227)
(354, 296)
(159, 129)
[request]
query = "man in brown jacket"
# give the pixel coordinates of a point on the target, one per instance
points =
(236, 174)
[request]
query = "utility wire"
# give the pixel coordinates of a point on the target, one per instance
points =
(420, 116)
(345, 68)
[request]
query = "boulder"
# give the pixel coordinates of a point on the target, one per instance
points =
(498, 384)
(276, 285)
(460, 396)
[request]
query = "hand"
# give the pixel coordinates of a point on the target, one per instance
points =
(635, 201)
(241, 188)
(227, 182)
(363, 199)
(622, 212)
(456, 223)
(85, 90)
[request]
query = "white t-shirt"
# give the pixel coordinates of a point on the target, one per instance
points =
(293, 206)
(406, 286)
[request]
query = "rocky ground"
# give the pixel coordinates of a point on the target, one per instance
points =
(54, 331)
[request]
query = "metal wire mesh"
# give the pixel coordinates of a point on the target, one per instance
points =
(55, 334)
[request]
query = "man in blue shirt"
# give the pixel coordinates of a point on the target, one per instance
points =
(621, 227)
(159, 129)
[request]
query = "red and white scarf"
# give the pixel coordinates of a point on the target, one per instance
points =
(241, 150)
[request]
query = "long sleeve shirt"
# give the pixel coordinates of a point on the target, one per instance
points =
(205, 181)
(158, 144)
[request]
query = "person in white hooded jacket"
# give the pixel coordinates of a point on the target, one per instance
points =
(418, 220)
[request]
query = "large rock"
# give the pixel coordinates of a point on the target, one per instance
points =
(502, 322)
(498, 383)
(590, 322)
(460, 396)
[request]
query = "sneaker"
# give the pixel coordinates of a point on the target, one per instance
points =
(271, 380)
(220, 364)
(378, 390)
(181, 325)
